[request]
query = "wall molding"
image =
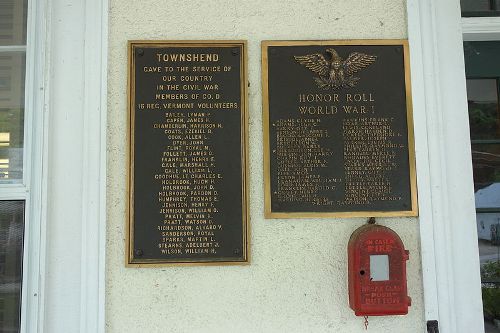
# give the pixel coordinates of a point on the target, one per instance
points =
(92, 305)
(73, 270)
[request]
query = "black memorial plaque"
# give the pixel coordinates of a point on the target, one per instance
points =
(187, 182)
(338, 134)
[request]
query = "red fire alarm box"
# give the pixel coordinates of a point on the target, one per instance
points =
(377, 272)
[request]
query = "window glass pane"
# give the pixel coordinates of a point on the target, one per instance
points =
(488, 229)
(483, 72)
(482, 98)
(481, 59)
(11, 254)
(13, 15)
(472, 5)
(480, 7)
(486, 166)
(12, 72)
(379, 268)
(487, 197)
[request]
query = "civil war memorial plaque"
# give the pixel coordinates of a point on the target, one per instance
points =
(338, 130)
(187, 157)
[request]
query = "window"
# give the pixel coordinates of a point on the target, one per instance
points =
(13, 186)
(483, 91)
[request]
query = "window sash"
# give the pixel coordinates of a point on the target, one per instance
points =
(13, 48)
(32, 188)
(17, 191)
(489, 13)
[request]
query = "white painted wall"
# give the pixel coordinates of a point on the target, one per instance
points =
(296, 281)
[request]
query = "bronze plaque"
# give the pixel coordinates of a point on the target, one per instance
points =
(338, 131)
(188, 159)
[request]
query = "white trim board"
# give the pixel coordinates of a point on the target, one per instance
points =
(450, 261)
(94, 173)
(73, 267)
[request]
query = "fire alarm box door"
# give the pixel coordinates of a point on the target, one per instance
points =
(377, 272)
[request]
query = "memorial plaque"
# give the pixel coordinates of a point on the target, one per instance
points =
(338, 130)
(188, 160)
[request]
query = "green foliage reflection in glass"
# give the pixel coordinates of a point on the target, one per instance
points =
(490, 272)
(483, 120)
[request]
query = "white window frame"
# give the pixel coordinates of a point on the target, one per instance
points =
(34, 179)
(31, 188)
(46, 288)
(450, 259)
(481, 28)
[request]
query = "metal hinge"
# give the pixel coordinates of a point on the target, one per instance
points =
(432, 326)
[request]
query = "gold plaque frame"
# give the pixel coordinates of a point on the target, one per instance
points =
(268, 213)
(130, 261)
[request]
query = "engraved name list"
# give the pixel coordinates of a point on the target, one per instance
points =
(188, 184)
(337, 134)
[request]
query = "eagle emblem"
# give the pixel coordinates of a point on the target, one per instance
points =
(336, 73)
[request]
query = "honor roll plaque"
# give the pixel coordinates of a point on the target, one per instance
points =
(338, 131)
(187, 173)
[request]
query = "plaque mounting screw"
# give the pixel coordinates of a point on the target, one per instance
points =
(140, 52)
(139, 252)
(236, 251)
(234, 51)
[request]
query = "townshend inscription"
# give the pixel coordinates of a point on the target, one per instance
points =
(187, 175)
(338, 131)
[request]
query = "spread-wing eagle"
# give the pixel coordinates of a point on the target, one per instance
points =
(337, 73)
